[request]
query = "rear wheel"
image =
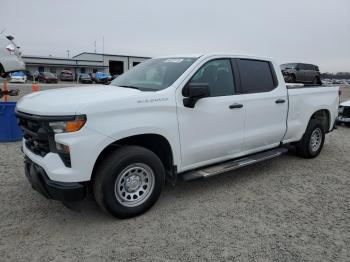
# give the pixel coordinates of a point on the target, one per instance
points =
(129, 181)
(312, 141)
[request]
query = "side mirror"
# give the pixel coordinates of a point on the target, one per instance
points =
(193, 92)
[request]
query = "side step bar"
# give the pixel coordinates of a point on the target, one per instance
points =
(234, 164)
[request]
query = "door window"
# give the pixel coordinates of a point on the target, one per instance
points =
(302, 67)
(256, 76)
(217, 74)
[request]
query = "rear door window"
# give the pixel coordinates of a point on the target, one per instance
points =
(256, 76)
(301, 67)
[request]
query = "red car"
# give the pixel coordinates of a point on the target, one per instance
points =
(47, 77)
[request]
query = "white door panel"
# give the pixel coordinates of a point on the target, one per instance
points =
(211, 129)
(265, 119)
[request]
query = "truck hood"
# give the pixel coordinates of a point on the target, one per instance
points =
(67, 101)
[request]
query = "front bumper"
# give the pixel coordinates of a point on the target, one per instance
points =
(341, 119)
(62, 191)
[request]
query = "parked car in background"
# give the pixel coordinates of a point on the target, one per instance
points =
(92, 75)
(344, 113)
(18, 77)
(337, 82)
(66, 75)
(10, 56)
(29, 75)
(47, 77)
(85, 79)
(301, 73)
(35, 75)
(102, 78)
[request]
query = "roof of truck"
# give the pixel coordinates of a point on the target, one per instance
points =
(217, 54)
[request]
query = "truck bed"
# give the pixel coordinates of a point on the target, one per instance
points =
(305, 100)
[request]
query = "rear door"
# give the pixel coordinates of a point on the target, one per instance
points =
(312, 73)
(265, 103)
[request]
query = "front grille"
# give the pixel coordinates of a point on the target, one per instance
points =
(346, 112)
(36, 134)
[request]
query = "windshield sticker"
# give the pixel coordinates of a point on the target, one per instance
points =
(174, 60)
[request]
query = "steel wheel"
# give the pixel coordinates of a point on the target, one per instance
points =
(316, 139)
(134, 185)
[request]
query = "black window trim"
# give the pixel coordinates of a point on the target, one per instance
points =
(272, 71)
(235, 79)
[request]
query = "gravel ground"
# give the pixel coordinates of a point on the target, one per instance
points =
(286, 209)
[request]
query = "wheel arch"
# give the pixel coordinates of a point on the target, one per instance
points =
(156, 143)
(324, 116)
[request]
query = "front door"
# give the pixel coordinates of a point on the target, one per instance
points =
(213, 130)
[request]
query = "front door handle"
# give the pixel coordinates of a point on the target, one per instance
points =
(235, 105)
(280, 101)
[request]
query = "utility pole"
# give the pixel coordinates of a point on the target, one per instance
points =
(95, 45)
(68, 53)
(103, 51)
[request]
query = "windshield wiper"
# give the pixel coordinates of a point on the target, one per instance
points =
(133, 87)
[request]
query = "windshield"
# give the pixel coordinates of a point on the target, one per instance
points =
(17, 74)
(154, 74)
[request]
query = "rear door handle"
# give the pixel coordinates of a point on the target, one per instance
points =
(280, 101)
(235, 105)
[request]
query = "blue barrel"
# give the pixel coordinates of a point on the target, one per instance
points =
(9, 130)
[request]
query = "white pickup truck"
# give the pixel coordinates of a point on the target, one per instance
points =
(194, 116)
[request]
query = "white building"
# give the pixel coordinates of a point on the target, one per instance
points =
(82, 63)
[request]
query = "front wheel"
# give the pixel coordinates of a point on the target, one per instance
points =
(312, 141)
(129, 181)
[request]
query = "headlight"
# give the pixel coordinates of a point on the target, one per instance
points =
(341, 109)
(68, 126)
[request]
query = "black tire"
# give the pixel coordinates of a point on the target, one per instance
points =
(305, 147)
(347, 124)
(112, 170)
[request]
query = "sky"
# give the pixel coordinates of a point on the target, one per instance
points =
(310, 31)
